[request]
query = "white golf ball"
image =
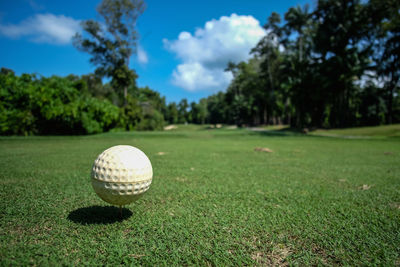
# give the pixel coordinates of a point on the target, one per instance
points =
(121, 174)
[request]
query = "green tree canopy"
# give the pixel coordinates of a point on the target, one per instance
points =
(112, 41)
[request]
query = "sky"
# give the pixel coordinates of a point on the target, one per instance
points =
(183, 49)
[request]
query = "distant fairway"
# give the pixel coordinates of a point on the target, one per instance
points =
(371, 132)
(213, 201)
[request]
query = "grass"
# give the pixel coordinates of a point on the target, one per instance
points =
(213, 201)
(371, 132)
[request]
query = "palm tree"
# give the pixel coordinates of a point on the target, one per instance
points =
(298, 20)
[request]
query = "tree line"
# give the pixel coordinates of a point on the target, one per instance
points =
(334, 66)
(32, 104)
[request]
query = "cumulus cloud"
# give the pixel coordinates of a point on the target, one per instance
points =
(142, 55)
(205, 54)
(43, 28)
(194, 76)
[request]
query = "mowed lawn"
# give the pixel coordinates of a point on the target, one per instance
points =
(213, 201)
(384, 131)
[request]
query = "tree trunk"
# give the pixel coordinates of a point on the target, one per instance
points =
(301, 47)
(389, 119)
(265, 116)
(126, 87)
(125, 95)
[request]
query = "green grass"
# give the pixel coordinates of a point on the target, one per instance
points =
(213, 201)
(392, 130)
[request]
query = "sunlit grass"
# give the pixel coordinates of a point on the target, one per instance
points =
(213, 201)
(374, 131)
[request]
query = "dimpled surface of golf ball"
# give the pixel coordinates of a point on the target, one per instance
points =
(121, 174)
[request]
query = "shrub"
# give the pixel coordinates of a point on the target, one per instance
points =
(151, 121)
(54, 105)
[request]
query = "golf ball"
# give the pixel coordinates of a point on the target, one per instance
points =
(121, 174)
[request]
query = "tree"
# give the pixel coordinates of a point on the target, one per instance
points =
(337, 66)
(194, 113)
(203, 112)
(297, 81)
(154, 98)
(385, 16)
(54, 105)
(217, 109)
(183, 111)
(270, 68)
(298, 19)
(172, 113)
(246, 93)
(341, 41)
(6, 71)
(112, 42)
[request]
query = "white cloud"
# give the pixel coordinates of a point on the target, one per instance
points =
(43, 28)
(194, 76)
(205, 54)
(142, 55)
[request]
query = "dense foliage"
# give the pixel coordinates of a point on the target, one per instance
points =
(337, 66)
(72, 105)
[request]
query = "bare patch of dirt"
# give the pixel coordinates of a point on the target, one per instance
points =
(276, 257)
(170, 127)
(182, 180)
(322, 253)
(263, 149)
(136, 256)
(365, 187)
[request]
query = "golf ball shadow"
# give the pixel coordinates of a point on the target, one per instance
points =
(99, 215)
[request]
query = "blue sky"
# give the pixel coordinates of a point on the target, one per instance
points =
(183, 47)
